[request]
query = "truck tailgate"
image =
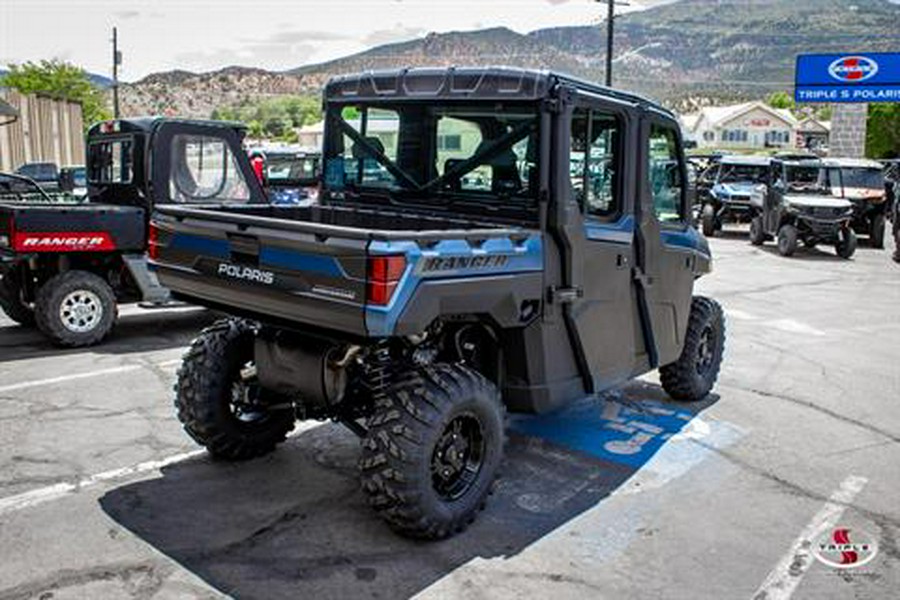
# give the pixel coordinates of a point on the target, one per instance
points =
(72, 228)
(263, 270)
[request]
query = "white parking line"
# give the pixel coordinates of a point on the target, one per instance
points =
(53, 492)
(24, 385)
(64, 378)
(785, 577)
(63, 489)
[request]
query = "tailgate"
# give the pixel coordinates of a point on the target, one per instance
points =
(265, 269)
(82, 228)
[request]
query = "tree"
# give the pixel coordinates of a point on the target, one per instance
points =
(60, 80)
(883, 131)
(780, 100)
(276, 118)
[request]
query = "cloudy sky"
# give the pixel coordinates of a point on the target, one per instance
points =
(202, 35)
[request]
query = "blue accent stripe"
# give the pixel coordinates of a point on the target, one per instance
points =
(619, 232)
(199, 245)
(300, 261)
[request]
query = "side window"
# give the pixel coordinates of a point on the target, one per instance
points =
(205, 170)
(666, 175)
(593, 163)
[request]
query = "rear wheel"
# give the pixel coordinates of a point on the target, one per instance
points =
(787, 240)
(876, 231)
(693, 375)
(757, 233)
(218, 397)
(75, 309)
(11, 301)
(432, 451)
(847, 242)
(708, 219)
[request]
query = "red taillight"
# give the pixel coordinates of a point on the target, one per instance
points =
(384, 273)
(153, 242)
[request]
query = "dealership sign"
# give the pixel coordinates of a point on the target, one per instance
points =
(869, 77)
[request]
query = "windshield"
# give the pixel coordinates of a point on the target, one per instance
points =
(805, 179)
(39, 171)
(871, 179)
(475, 154)
(742, 174)
(79, 176)
(284, 168)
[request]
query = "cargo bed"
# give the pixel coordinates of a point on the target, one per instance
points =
(305, 265)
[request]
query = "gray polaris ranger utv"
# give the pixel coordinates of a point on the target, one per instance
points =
(457, 267)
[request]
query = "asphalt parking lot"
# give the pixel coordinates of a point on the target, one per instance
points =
(625, 496)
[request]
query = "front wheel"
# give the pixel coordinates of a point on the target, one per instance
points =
(787, 240)
(218, 397)
(693, 375)
(757, 233)
(847, 242)
(708, 220)
(432, 451)
(75, 309)
(876, 231)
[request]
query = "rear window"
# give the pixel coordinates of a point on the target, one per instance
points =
(111, 161)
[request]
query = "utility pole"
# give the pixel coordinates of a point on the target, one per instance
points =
(117, 60)
(610, 18)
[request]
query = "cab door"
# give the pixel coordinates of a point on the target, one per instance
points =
(670, 244)
(604, 314)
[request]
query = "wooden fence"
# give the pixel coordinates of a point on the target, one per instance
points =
(47, 130)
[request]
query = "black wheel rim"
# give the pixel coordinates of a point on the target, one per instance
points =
(458, 457)
(705, 351)
(244, 403)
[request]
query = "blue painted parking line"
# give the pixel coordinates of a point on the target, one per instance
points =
(628, 433)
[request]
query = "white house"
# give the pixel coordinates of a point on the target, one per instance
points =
(747, 126)
(813, 133)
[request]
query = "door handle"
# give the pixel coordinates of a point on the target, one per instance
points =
(621, 261)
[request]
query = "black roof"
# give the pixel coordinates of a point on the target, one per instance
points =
(479, 83)
(147, 124)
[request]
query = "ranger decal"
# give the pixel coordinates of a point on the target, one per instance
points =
(443, 264)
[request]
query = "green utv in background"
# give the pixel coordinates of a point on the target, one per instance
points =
(486, 240)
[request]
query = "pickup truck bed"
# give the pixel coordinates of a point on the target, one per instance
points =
(316, 266)
(87, 227)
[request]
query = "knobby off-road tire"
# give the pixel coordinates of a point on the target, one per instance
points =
(877, 231)
(75, 309)
(847, 243)
(11, 300)
(787, 240)
(418, 477)
(212, 395)
(708, 220)
(757, 233)
(694, 374)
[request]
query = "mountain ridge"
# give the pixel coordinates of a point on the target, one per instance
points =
(685, 53)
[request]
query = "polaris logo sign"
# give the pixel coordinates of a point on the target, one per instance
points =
(869, 77)
(246, 273)
(853, 68)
